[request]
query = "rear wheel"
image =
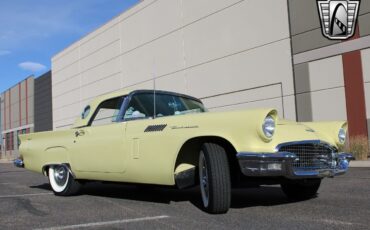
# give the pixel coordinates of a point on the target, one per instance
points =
(214, 178)
(62, 182)
(301, 189)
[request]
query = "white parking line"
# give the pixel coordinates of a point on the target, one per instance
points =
(31, 194)
(104, 223)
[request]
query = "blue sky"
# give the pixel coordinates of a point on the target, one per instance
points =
(32, 31)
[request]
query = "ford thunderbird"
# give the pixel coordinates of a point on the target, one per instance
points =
(166, 138)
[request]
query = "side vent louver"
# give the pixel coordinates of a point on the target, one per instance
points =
(155, 128)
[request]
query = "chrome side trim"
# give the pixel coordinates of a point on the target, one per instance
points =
(347, 156)
(266, 156)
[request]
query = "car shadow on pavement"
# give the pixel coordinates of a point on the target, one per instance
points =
(241, 198)
(263, 196)
(45, 186)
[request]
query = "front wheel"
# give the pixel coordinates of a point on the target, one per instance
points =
(301, 189)
(214, 178)
(62, 182)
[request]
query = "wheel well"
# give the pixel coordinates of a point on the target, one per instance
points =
(189, 153)
(45, 169)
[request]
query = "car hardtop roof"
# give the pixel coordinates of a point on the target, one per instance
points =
(119, 93)
(96, 102)
(164, 92)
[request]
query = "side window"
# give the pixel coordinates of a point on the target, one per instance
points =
(166, 105)
(169, 105)
(141, 106)
(108, 112)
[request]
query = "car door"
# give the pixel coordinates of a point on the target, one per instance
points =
(100, 146)
(153, 143)
(146, 139)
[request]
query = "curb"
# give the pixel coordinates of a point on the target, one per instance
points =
(5, 161)
(359, 164)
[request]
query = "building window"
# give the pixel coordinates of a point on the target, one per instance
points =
(9, 141)
(20, 132)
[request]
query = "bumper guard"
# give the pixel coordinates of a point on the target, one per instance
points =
(281, 164)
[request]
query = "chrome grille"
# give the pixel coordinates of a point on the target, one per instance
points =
(310, 155)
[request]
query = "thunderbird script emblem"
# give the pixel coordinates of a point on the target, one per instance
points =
(338, 18)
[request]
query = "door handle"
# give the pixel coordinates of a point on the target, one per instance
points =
(79, 133)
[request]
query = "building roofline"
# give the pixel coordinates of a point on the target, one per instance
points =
(29, 76)
(89, 33)
(44, 75)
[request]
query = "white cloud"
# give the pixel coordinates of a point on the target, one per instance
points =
(4, 52)
(32, 66)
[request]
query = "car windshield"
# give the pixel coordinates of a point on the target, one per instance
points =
(141, 106)
(169, 105)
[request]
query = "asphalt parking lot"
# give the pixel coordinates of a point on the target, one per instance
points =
(26, 202)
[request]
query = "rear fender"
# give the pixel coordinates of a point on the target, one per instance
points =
(56, 155)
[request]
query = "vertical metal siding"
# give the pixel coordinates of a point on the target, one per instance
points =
(43, 111)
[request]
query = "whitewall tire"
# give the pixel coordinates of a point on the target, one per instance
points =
(62, 182)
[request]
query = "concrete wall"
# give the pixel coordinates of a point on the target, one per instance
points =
(320, 90)
(305, 26)
(364, 18)
(214, 50)
(323, 66)
(365, 54)
(364, 21)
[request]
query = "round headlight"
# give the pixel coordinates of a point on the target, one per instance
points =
(268, 126)
(342, 135)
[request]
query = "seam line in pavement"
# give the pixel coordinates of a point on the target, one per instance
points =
(103, 223)
(31, 194)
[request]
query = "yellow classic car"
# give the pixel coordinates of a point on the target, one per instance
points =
(166, 138)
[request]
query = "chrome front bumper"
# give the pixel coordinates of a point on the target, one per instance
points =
(281, 164)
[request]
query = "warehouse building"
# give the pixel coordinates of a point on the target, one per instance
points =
(25, 107)
(232, 54)
(207, 49)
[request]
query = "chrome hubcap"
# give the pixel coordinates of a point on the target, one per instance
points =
(60, 175)
(203, 176)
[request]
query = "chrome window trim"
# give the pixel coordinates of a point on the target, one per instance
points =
(129, 97)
